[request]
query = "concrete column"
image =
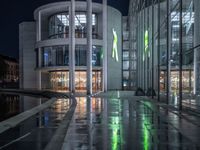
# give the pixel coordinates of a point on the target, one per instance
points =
(196, 43)
(39, 57)
(105, 61)
(72, 47)
(39, 78)
(38, 27)
(89, 47)
(39, 71)
(39, 38)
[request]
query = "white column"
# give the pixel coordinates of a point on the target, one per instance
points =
(72, 47)
(39, 38)
(38, 28)
(39, 78)
(89, 46)
(105, 52)
(39, 58)
(39, 71)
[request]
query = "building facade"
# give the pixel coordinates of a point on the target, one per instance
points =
(11, 73)
(72, 46)
(165, 36)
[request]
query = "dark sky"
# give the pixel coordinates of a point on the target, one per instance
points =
(13, 12)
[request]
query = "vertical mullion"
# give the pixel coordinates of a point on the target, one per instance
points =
(144, 66)
(180, 56)
(152, 41)
(105, 46)
(148, 58)
(168, 57)
(158, 50)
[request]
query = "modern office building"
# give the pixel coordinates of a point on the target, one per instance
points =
(164, 37)
(72, 46)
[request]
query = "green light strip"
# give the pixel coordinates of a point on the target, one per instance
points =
(115, 50)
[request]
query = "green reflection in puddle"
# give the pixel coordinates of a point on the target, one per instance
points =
(115, 139)
(115, 127)
(145, 133)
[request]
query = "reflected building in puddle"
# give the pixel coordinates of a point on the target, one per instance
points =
(10, 106)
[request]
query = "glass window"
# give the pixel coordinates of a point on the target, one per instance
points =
(175, 33)
(125, 55)
(59, 25)
(125, 85)
(55, 56)
(163, 11)
(37, 57)
(96, 55)
(66, 56)
(188, 31)
(80, 80)
(125, 65)
(59, 55)
(80, 55)
(163, 44)
(125, 75)
(96, 81)
(47, 60)
(173, 3)
(59, 80)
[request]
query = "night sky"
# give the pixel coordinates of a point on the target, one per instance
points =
(13, 12)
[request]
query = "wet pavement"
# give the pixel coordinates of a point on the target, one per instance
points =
(109, 122)
(36, 132)
(128, 124)
(13, 104)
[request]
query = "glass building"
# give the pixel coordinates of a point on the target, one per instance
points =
(72, 46)
(164, 39)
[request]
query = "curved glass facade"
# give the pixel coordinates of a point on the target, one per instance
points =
(59, 25)
(59, 56)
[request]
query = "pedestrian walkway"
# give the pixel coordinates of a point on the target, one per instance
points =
(117, 121)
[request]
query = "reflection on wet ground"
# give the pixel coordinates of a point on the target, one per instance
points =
(36, 132)
(108, 123)
(116, 124)
(9, 106)
(12, 104)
